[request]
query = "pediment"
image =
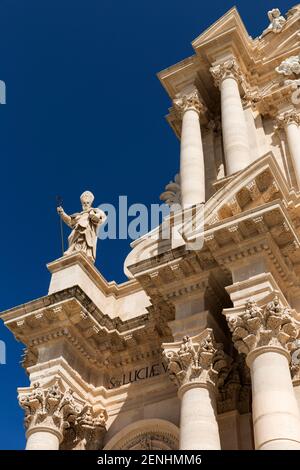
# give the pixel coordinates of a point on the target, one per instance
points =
(228, 23)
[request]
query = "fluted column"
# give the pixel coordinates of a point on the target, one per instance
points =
(192, 172)
(193, 365)
(235, 139)
(290, 122)
(54, 419)
(266, 335)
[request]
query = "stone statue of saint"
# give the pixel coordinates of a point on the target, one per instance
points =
(277, 22)
(84, 226)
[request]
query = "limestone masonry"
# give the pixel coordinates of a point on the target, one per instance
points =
(200, 348)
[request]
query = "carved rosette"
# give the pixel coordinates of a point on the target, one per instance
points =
(290, 117)
(228, 69)
(271, 326)
(55, 409)
(187, 101)
(195, 360)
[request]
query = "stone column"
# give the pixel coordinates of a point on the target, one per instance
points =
(193, 365)
(290, 122)
(266, 335)
(52, 417)
(235, 139)
(192, 173)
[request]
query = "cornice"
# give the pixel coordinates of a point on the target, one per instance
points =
(71, 316)
(45, 306)
(109, 288)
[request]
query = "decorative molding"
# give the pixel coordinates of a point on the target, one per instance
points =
(147, 434)
(150, 441)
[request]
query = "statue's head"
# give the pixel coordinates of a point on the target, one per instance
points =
(275, 13)
(86, 199)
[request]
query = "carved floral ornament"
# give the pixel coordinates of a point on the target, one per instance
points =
(272, 325)
(195, 360)
(188, 100)
(56, 409)
(289, 117)
(228, 69)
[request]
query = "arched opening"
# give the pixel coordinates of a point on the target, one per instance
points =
(146, 434)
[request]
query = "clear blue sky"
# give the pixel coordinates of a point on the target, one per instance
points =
(84, 110)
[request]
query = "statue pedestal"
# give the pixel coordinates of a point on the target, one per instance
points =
(78, 270)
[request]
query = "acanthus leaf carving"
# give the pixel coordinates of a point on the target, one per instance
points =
(53, 408)
(287, 118)
(187, 100)
(272, 325)
(228, 69)
(198, 359)
(86, 432)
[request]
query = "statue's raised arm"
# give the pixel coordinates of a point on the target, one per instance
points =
(84, 226)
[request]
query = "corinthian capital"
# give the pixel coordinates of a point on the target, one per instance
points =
(188, 100)
(195, 360)
(228, 69)
(87, 431)
(272, 325)
(290, 117)
(51, 407)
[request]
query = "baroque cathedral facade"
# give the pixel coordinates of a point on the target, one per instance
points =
(199, 348)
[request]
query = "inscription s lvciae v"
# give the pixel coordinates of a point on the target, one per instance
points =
(136, 375)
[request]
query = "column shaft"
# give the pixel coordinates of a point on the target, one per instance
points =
(266, 335)
(293, 138)
(198, 424)
(276, 418)
(42, 440)
(235, 138)
(192, 172)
